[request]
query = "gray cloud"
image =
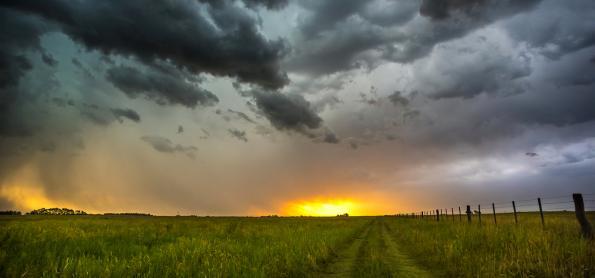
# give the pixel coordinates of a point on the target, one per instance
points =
(269, 4)
(241, 115)
(397, 99)
(224, 42)
(97, 117)
(483, 65)
(287, 112)
(556, 28)
(475, 87)
(357, 40)
(19, 33)
(164, 145)
(238, 134)
(48, 59)
(162, 87)
(126, 113)
(331, 138)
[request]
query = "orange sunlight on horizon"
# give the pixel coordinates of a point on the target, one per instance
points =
(330, 207)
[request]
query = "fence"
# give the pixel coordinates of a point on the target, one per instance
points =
(577, 202)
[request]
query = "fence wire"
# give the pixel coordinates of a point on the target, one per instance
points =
(550, 204)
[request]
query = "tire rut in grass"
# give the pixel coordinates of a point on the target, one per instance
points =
(374, 253)
(372, 257)
(342, 265)
(403, 266)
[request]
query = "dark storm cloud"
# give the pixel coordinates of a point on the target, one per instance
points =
(557, 27)
(164, 145)
(331, 138)
(97, 117)
(241, 115)
(48, 59)
(440, 10)
(126, 113)
(482, 66)
(238, 134)
(397, 99)
(326, 13)
(77, 63)
(287, 112)
(348, 37)
(18, 34)
(161, 87)
(327, 101)
(269, 4)
(224, 41)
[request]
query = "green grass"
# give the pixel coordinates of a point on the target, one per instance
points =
(94, 246)
(460, 249)
(120, 246)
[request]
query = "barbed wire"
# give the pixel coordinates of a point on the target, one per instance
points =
(524, 205)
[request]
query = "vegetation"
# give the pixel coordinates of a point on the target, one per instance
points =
(458, 249)
(116, 246)
(57, 211)
(10, 212)
(127, 213)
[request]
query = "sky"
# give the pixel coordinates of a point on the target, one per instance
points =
(258, 107)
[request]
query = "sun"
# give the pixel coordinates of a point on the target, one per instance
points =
(321, 207)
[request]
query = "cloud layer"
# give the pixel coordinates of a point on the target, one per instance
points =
(295, 100)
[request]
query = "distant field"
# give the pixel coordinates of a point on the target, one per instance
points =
(117, 246)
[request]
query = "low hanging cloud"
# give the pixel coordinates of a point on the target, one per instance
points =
(126, 113)
(164, 145)
(160, 87)
(344, 35)
(230, 114)
(287, 112)
(331, 138)
(238, 134)
(397, 98)
(223, 41)
(556, 28)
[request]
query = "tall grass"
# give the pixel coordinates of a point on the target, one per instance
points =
(95, 246)
(117, 246)
(459, 249)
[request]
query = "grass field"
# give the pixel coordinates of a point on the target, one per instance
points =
(118, 246)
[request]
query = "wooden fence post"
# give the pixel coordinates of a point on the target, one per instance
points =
(494, 212)
(479, 213)
(581, 216)
(460, 215)
(516, 221)
(541, 212)
(437, 215)
(468, 213)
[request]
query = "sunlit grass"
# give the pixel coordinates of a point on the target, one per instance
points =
(459, 249)
(96, 246)
(121, 246)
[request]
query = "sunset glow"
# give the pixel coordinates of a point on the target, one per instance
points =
(325, 207)
(28, 197)
(277, 107)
